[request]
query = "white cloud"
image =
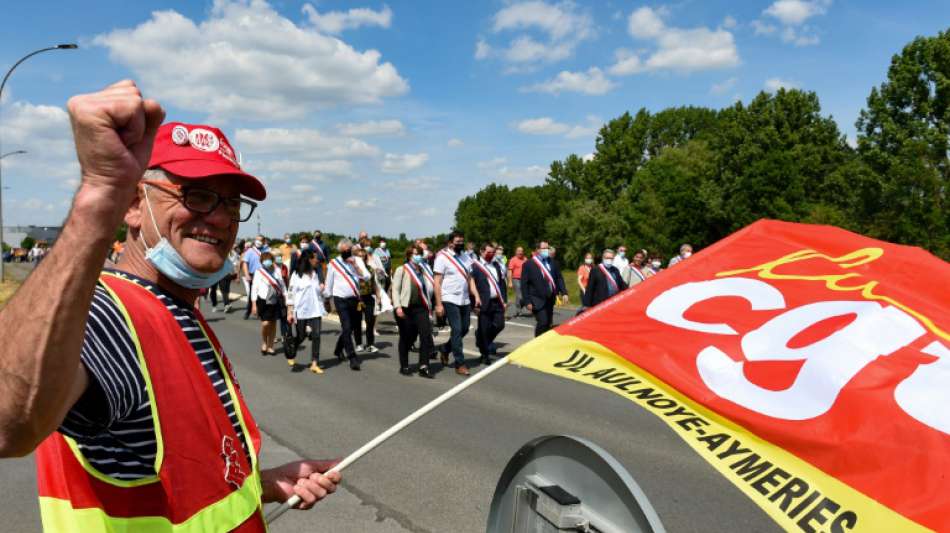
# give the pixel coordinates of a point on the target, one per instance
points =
(44, 133)
(314, 200)
(368, 203)
(548, 126)
(729, 22)
(724, 86)
(588, 158)
(429, 212)
(372, 128)
(528, 175)
(796, 12)
(303, 188)
(402, 163)
(677, 49)
(303, 142)
(422, 183)
(492, 163)
(482, 49)
(761, 28)
(774, 84)
(542, 126)
(545, 32)
(792, 15)
(338, 21)
(246, 60)
(455, 143)
(592, 82)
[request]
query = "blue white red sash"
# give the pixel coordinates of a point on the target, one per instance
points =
(610, 279)
(545, 273)
(273, 282)
(455, 262)
(423, 293)
(491, 279)
(340, 267)
(427, 272)
(638, 273)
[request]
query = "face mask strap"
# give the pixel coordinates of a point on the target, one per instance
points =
(148, 205)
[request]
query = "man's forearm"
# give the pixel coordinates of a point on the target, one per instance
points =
(44, 323)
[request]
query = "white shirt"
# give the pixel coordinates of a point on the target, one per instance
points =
(454, 283)
(337, 285)
(621, 263)
(305, 296)
(261, 289)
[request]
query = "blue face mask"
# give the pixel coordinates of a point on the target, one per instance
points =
(166, 259)
(417, 259)
(267, 263)
(545, 253)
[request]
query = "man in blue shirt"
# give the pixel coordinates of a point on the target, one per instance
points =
(250, 262)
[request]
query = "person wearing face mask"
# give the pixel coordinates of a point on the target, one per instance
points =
(99, 354)
(686, 250)
(305, 307)
(412, 304)
(454, 291)
(250, 262)
(583, 272)
(343, 285)
(621, 261)
(490, 283)
(385, 259)
(655, 265)
(285, 250)
(636, 271)
(269, 292)
(541, 283)
(605, 281)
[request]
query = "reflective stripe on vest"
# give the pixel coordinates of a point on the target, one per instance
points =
(198, 487)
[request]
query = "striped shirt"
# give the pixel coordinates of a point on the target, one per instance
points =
(112, 421)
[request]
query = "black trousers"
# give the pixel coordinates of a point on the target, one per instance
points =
(491, 321)
(369, 317)
(349, 318)
(225, 286)
(543, 317)
(416, 324)
(315, 324)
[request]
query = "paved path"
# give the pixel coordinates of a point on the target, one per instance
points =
(439, 475)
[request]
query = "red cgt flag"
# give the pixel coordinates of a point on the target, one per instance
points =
(809, 365)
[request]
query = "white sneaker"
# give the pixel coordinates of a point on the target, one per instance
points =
(372, 348)
(359, 348)
(215, 310)
(227, 308)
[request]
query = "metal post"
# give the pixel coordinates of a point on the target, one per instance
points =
(68, 46)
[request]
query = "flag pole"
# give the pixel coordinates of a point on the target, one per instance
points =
(384, 436)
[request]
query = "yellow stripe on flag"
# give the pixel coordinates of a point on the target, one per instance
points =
(798, 496)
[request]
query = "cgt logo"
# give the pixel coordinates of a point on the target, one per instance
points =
(880, 327)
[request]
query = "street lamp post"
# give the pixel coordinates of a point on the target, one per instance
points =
(67, 46)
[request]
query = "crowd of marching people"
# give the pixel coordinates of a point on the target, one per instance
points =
(292, 285)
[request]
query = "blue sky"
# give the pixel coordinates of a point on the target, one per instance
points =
(381, 116)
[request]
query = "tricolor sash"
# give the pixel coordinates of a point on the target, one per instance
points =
(610, 279)
(273, 282)
(455, 262)
(545, 273)
(427, 272)
(491, 279)
(340, 267)
(424, 294)
(637, 272)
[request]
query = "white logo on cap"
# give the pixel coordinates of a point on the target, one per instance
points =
(227, 153)
(204, 140)
(180, 135)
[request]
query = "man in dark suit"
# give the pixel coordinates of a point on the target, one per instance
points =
(605, 281)
(490, 283)
(541, 283)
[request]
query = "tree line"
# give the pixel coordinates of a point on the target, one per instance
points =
(694, 174)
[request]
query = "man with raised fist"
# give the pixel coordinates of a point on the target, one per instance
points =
(114, 379)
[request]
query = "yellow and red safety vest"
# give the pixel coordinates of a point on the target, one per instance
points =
(203, 483)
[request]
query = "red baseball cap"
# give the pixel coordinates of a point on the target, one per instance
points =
(199, 151)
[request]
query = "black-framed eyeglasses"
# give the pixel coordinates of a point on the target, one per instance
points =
(205, 201)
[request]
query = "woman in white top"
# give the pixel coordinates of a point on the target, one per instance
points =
(305, 306)
(267, 297)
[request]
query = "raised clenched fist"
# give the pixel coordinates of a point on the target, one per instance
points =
(114, 130)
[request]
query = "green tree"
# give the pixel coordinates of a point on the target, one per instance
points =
(904, 136)
(27, 242)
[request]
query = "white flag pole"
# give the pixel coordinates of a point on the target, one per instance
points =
(382, 437)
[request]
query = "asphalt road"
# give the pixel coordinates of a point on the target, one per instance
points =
(439, 475)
